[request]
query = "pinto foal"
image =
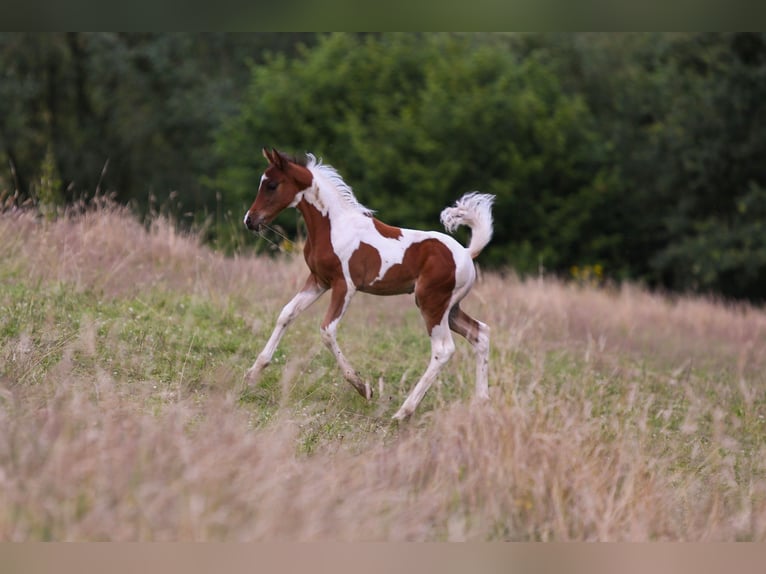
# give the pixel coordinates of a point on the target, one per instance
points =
(348, 250)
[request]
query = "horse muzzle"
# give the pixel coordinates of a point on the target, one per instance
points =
(253, 223)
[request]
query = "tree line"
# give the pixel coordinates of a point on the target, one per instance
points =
(623, 156)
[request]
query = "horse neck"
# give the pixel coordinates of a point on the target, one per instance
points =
(322, 209)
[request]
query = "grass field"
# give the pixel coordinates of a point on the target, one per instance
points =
(615, 414)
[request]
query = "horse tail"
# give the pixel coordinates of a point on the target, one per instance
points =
(474, 210)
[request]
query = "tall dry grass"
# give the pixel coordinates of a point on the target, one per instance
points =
(614, 414)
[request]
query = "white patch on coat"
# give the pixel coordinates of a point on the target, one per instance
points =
(351, 224)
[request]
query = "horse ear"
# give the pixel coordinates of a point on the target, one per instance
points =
(277, 159)
(265, 153)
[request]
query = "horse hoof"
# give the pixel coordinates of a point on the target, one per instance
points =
(364, 389)
(251, 376)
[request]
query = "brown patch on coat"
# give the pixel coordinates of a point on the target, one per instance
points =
(427, 268)
(463, 324)
(364, 266)
(388, 231)
(318, 252)
(335, 310)
(434, 286)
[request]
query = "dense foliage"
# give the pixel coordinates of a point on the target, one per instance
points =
(130, 113)
(630, 156)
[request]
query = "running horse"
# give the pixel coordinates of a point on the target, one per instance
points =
(349, 250)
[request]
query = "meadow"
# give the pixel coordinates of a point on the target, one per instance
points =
(616, 414)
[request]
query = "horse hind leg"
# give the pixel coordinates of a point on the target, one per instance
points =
(442, 348)
(434, 304)
(477, 333)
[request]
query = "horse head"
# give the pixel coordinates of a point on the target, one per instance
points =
(281, 186)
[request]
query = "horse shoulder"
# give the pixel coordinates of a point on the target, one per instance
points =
(323, 263)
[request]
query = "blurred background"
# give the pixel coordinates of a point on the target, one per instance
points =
(614, 157)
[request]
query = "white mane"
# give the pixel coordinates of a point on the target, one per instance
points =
(327, 178)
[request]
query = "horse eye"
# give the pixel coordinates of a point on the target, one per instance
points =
(272, 185)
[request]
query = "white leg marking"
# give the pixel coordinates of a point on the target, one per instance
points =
(289, 312)
(442, 347)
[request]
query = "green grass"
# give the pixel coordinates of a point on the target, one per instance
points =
(174, 340)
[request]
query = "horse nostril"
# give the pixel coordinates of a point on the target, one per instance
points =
(251, 223)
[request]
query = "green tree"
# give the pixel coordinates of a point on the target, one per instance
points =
(714, 172)
(147, 103)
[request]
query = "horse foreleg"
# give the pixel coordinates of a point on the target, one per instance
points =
(340, 298)
(442, 348)
(311, 292)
